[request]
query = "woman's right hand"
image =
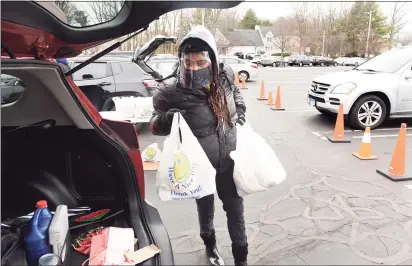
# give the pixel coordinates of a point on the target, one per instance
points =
(169, 114)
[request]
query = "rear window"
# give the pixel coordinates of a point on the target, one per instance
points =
(11, 88)
(96, 70)
(83, 14)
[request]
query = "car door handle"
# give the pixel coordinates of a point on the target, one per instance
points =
(105, 83)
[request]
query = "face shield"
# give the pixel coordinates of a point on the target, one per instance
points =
(195, 70)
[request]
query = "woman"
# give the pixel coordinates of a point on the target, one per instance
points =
(204, 93)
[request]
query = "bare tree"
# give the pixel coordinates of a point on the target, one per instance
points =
(397, 20)
(229, 20)
(300, 16)
(68, 9)
(283, 32)
(105, 11)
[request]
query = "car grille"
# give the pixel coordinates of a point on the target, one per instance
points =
(319, 88)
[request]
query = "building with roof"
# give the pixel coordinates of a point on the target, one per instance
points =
(245, 41)
(269, 37)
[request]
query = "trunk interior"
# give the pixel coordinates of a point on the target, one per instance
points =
(63, 165)
(52, 151)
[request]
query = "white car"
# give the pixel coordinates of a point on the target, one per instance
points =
(246, 70)
(341, 60)
(353, 61)
(379, 89)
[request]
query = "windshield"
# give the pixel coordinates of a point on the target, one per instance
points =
(388, 62)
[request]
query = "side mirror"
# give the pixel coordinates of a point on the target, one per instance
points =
(87, 76)
(408, 75)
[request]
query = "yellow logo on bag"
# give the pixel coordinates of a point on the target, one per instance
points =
(182, 177)
(150, 153)
(181, 168)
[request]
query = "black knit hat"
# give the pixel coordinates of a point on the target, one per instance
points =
(193, 46)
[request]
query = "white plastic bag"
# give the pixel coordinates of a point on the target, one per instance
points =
(257, 167)
(125, 106)
(244, 172)
(185, 172)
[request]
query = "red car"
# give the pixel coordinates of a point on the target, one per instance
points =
(55, 144)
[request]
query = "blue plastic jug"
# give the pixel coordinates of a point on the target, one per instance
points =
(36, 239)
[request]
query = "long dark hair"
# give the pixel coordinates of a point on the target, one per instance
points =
(218, 98)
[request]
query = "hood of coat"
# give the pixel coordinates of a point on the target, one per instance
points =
(203, 34)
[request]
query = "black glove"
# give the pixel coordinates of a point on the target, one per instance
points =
(169, 115)
(241, 120)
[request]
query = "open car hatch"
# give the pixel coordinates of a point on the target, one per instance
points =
(150, 47)
(31, 29)
(143, 54)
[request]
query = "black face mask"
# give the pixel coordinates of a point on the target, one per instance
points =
(196, 79)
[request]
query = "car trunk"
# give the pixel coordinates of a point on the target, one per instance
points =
(71, 164)
(63, 165)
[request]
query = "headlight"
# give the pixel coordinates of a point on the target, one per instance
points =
(344, 88)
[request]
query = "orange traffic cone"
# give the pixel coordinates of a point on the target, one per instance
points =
(237, 83)
(244, 83)
(270, 99)
(262, 96)
(397, 171)
(339, 134)
(277, 106)
(365, 151)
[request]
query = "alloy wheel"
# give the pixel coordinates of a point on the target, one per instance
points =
(369, 113)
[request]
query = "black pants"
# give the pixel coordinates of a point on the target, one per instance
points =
(232, 205)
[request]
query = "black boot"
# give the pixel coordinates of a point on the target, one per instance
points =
(211, 250)
(240, 254)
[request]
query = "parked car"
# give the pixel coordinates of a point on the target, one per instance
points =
(55, 144)
(163, 66)
(117, 75)
(323, 61)
(246, 70)
(377, 90)
(110, 77)
(353, 61)
(341, 60)
(11, 88)
(239, 55)
(5, 79)
(257, 59)
(299, 60)
(274, 61)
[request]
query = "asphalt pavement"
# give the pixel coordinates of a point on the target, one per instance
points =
(332, 209)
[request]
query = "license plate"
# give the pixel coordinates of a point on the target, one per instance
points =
(312, 101)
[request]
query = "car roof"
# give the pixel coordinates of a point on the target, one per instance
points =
(43, 31)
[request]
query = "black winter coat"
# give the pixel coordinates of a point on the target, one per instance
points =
(217, 143)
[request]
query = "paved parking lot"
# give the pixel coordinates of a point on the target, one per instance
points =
(332, 209)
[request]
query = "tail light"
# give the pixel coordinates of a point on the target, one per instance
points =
(151, 83)
(254, 66)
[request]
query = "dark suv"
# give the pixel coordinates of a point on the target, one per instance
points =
(300, 60)
(119, 76)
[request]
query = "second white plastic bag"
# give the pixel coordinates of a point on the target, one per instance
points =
(185, 172)
(257, 167)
